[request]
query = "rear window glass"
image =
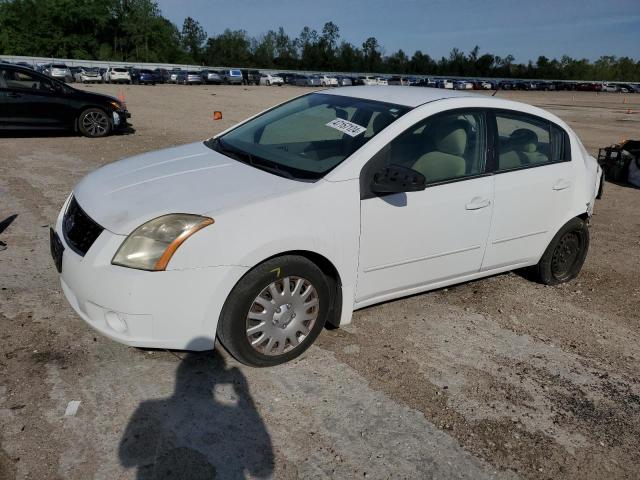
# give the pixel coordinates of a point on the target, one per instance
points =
(59, 65)
(120, 70)
(236, 73)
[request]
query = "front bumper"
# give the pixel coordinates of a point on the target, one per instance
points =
(120, 119)
(175, 309)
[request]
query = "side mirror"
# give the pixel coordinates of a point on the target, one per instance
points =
(397, 179)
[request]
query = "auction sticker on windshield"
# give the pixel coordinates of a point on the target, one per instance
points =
(345, 126)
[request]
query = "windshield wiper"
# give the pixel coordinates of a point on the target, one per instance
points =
(256, 162)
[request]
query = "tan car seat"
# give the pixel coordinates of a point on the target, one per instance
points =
(446, 161)
(522, 150)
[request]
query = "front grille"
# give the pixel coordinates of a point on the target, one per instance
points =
(79, 230)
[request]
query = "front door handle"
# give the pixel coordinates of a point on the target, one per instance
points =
(562, 184)
(477, 203)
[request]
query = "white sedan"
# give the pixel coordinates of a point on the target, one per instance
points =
(330, 202)
(328, 81)
(269, 79)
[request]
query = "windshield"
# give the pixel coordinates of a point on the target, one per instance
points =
(309, 136)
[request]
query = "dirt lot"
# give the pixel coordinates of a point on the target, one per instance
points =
(497, 378)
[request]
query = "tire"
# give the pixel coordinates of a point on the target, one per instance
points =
(253, 292)
(268, 83)
(94, 123)
(565, 255)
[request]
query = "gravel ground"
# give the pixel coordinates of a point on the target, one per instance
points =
(496, 378)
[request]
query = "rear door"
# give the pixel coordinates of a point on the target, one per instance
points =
(534, 184)
(32, 100)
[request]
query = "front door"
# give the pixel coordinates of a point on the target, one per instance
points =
(33, 101)
(411, 240)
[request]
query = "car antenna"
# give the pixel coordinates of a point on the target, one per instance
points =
(496, 90)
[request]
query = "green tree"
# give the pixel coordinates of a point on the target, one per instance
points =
(193, 37)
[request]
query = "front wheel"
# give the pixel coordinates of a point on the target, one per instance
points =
(94, 123)
(275, 312)
(565, 255)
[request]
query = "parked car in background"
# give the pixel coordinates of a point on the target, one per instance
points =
(270, 79)
(328, 81)
(59, 71)
(189, 77)
(367, 81)
(308, 81)
(382, 81)
(398, 81)
(88, 75)
(462, 85)
(173, 75)
(211, 77)
(162, 75)
(37, 101)
(117, 75)
(74, 71)
(288, 78)
(344, 81)
(232, 77)
(629, 88)
(444, 83)
(146, 77)
(250, 77)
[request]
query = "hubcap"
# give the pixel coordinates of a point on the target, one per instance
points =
(282, 316)
(95, 123)
(565, 255)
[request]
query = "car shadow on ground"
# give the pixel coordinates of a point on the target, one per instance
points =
(209, 428)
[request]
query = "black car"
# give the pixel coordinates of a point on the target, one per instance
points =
(250, 77)
(30, 100)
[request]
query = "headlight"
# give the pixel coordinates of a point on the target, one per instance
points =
(151, 246)
(118, 106)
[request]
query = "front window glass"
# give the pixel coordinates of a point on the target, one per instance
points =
(307, 137)
(444, 147)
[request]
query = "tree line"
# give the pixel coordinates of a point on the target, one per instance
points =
(136, 31)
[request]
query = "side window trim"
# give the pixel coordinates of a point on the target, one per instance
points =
(368, 170)
(493, 124)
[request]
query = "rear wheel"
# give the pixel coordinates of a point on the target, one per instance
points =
(94, 123)
(565, 255)
(275, 312)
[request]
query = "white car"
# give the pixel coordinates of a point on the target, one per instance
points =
(328, 81)
(330, 202)
(381, 81)
(88, 75)
(117, 75)
(269, 79)
(368, 81)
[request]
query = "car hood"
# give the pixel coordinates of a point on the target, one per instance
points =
(188, 179)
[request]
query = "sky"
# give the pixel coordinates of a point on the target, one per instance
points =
(524, 29)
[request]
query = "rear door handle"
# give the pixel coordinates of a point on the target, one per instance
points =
(562, 184)
(477, 203)
(14, 95)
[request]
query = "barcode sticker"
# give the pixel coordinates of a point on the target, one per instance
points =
(345, 126)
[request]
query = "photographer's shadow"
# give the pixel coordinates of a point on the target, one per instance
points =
(209, 428)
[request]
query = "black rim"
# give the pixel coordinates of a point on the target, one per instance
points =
(566, 255)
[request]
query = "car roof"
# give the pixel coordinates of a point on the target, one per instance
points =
(399, 95)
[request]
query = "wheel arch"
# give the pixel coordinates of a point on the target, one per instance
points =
(330, 271)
